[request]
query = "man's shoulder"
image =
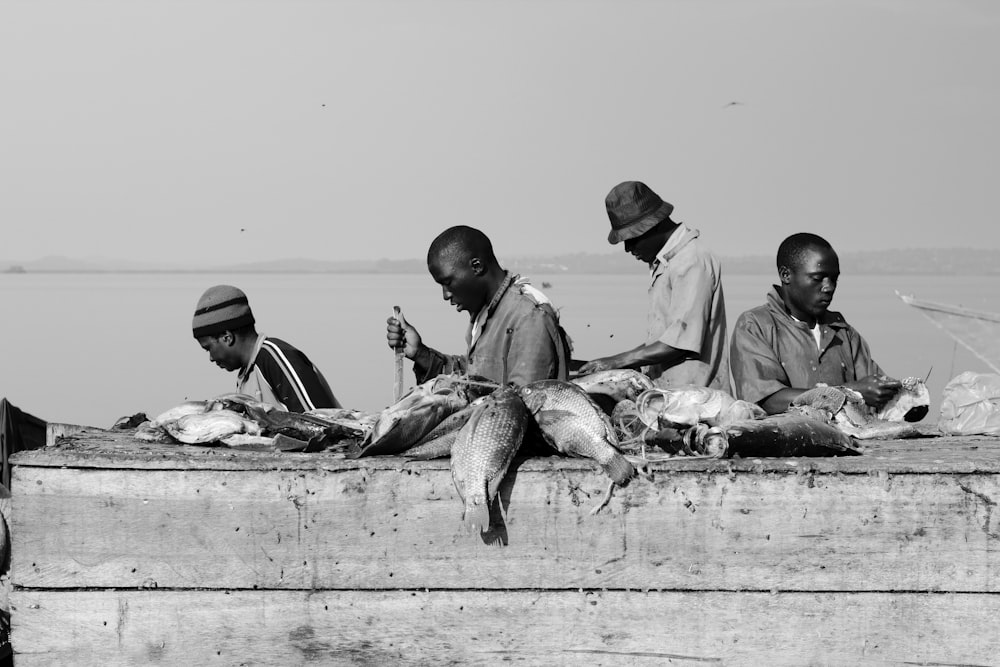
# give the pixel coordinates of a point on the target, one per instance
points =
(276, 348)
(525, 298)
(757, 315)
(696, 251)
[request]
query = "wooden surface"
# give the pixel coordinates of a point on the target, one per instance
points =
(95, 448)
(127, 553)
(471, 627)
(360, 528)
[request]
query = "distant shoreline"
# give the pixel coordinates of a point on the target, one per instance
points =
(913, 261)
(373, 272)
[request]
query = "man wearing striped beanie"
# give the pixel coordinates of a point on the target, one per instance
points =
(270, 370)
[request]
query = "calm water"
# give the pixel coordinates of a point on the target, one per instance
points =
(88, 349)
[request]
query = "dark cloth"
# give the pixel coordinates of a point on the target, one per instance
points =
(521, 341)
(771, 351)
(282, 375)
(18, 431)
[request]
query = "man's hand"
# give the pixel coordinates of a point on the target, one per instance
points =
(597, 365)
(876, 389)
(398, 332)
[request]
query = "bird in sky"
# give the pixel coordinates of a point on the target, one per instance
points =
(733, 104)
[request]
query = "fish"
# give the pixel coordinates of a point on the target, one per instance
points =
(687, 405)
(354, 423)
(178, 411)
(911, 403)
(483, 450)
(845, 409)
(150, 432)
(437, 444)
(403, 424)
(202, 428)
(787, 434)
(297, 425)
(247, 442)
(575, 425)
(619, 383)
(239, 403)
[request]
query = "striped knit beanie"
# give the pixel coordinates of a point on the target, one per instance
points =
(221, 308)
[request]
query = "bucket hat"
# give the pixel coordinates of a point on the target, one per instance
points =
(634, 209)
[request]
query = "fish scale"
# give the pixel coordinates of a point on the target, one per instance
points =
(483, 451)
(574, 424)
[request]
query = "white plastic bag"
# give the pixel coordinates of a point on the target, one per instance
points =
(971, 405)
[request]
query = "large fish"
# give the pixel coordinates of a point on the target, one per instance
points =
(403, 424)
(437, 444)
(619, 383)
(482, 452)
(846, 410)
(787, 434)
(206, 427)
(573, 423)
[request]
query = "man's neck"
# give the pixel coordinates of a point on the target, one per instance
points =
(246, 347)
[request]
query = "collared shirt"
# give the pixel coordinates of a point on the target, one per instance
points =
(771, 351)
(687, 311)
(282, 376)
(516, 338)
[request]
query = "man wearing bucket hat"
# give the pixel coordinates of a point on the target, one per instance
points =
(270, 370)
(686, 322)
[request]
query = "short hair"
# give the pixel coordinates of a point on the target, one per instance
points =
(792, 251)
(461, 242)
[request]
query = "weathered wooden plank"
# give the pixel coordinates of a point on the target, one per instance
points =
(94, 448)
(378, 529)
(476, 627)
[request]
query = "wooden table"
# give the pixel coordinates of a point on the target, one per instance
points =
(127, 553)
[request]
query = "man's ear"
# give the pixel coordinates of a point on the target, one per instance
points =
(477, 266)
(785, 275)
(228, 338)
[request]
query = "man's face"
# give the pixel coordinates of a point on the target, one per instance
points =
(645, 247)
(221, 351)
(460, 282)
(809, 287)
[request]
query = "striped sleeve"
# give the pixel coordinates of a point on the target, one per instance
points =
(295, 380)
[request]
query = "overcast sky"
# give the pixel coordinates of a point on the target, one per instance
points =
(359, 130)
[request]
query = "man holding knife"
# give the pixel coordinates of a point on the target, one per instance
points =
(514, 334)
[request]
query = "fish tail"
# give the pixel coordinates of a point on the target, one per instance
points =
(477, 516)
(619, 469)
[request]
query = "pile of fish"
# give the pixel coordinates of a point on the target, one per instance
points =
(482, 427)
(240, 422)
(603, 416)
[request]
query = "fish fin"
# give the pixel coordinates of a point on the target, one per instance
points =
(477, 517)
(548, 417)
(619, 469)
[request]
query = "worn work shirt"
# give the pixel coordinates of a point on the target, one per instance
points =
(771, 351)
(687, 311)
(282, 376)
(517, 339)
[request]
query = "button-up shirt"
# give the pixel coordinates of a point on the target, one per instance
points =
(687, 311)
(516, 338)
(771, 351)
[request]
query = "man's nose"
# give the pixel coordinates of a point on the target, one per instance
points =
(829, 285)
(445, 294)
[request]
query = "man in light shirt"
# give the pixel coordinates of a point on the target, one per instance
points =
(686, 323)
(793, 342)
